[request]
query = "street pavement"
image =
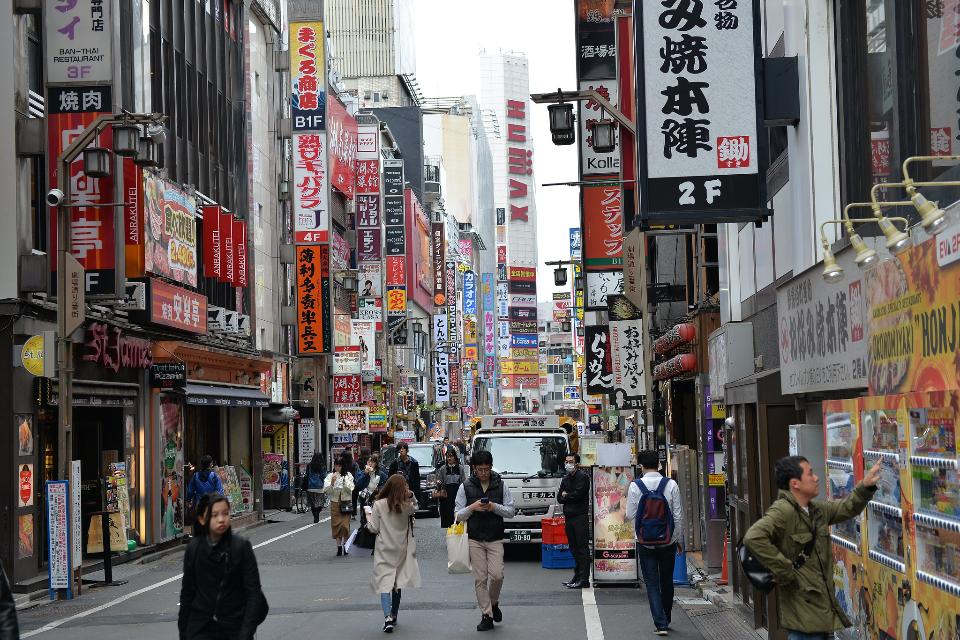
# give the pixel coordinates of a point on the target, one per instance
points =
(312, 593)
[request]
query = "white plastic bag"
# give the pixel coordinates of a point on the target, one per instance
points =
(458, 549)
(351, 550)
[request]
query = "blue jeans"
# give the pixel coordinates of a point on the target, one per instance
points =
(390, 603)
(656, 565)
(799, 635)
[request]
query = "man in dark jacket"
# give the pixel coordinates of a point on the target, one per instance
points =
(409, 468)
(8, 610)
(807, 604)
(574, 495)
(484, 500)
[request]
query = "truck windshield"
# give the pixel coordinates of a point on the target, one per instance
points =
(525, 455)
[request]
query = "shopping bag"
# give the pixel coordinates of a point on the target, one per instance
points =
(458, 549)
(352, 549)
(364, 538)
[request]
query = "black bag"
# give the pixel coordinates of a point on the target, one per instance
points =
(365, 539)
(347, 507)
(759, 576)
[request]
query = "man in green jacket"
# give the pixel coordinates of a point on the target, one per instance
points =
(808, 606)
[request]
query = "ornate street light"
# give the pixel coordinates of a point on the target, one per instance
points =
(561, 123)
(126, 140)
(604, 135)
(96, 162)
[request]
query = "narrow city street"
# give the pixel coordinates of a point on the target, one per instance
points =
(313, 593)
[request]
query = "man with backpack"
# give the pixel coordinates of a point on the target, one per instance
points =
(792, 540)
(655, 503)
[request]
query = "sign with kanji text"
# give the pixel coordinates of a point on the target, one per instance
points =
(347, 360)
(308, 72)
(627, 366)
(347, 389)
(78, 36)
(311, 215)
(177, 307)
(58, 534)
(310, 300)
(700, 131)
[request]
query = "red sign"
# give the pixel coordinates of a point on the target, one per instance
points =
(177, 307)
(229, 258)
(396, 270)
(212, 242)
(501, 254)
(108, 347)
(733, 152)
(528, 274)
(92, 232)
(368, 176)
(133, 218)
(26, 485)
(602, 228)
(310, 269)
(239, 253)
(368, 211)
(454, 378)
(347, 389)
(342, 139)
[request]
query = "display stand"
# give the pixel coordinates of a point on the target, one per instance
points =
(614, 558)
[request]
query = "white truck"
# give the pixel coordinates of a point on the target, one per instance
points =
(528, 453)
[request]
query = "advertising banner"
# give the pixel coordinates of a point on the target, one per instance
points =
(239, 253)
(519, 161)
(441, 340)
(370, 277)
(212, 242)
(626, 360)
(311, 214)
(133, 218)
(596, 40)
(701, 110)
(614, 542)
(171, 244)
(78, 37)
(368, 211)
(441, 377)
(823, 329)
(368, 142)
(308, 72)
(576, 243)
(599, 367)
(177, 308)
(310, 301)
(339, 252)
(363, 333)
(371, 310)
(351, 420)
(59, 569)
(602, 228)
(396, 271)
(600, 284)
(368, 177)
(347, 389)
(306, 440)
(439, 252)
(591, 162)
(470, 293)
(228, 271)
(369, 245)
(342, 136)
(347, 360)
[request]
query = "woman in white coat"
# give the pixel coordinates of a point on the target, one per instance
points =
(395, 555)
(339, 489)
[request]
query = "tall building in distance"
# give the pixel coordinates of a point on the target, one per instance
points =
(505, 91)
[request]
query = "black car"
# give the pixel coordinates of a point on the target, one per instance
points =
(427, 455)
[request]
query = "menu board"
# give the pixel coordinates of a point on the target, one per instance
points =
(246, 488)
(231, 489)
(614, 541)
(272, 471)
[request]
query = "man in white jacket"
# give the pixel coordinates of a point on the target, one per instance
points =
(657, 561)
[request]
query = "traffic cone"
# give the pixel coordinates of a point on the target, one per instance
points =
(680, 570)
(724, 578)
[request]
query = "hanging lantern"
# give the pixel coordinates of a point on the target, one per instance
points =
(126, 140)
(604, 133)
(148, 155)
(561, 123)
(560, 276)
(684, 363)
(96, 162)
(678, 335)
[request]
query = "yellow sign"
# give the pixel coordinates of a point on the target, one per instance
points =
(118, 536)
(716, 479)
(525, 353)
(513, 366)
(32, 355)
(718, 410)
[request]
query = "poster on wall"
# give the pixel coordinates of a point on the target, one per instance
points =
(351, 419)
(614, 543)
(171, 468)
(273, 464)
(25, 485)
(24, 536)
(25, 434)
(171, 238)
(306, 440)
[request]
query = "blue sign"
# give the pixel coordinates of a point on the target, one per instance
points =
(470, 293)
(523, 340)
(486, 282)
(576, 242)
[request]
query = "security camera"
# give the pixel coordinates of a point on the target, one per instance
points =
(54, 197)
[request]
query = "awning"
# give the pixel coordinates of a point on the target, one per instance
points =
(90, 394)
(224, 396)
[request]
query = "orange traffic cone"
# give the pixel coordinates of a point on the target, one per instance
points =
(723, 571)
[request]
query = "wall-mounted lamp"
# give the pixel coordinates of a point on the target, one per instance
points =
(866, 257)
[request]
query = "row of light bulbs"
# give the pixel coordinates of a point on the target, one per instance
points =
(933, 219)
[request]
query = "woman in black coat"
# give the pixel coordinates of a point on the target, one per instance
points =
(220, 598)
(450, 476)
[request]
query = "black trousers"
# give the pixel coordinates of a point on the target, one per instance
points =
(578, 535)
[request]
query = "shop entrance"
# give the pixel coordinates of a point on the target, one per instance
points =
(98, 441)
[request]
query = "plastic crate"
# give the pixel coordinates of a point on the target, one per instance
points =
(554, 530)
(557, 556)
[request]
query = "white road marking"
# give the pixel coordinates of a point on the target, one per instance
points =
(89, 612)
(591, 615)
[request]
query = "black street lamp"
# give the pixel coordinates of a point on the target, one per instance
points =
(560, 276)
(561, 123)
(604, 135)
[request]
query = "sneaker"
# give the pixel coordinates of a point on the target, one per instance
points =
(388, 624)
(497, 614)
(660, 632)
(486, 623)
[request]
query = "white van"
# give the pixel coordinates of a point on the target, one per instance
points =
(528, 453)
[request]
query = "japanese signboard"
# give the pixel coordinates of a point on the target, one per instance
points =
(441, 332)
(441, 377)
(602, 228)
(363, 334)
(370, 278)
(593, 163)
(311, 214)
(342, 137)
(79, 36)
(614, 540)
(599, 372)
(171, 240)
(700, 133)
(368, 142)
(600, 284)
(308, 72)
(177, 307)
(371, 310)
(369, 245)
(133, 218)
(347, 389)
(351, 419)
(168, 375)
(576, 243)
(229, 259)
(212, 242)
(367, 176)
(239, 240)
(347, 360)
(596, 40)
(58, 534)
(626, 363)
(310, 301)
(823, 330)
(439, 252)
(470, 293)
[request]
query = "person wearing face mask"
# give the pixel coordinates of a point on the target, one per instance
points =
(574, 495)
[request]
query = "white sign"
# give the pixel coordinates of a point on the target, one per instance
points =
(78, 37)
(370, 279)
(441, 378)
(363, 333)
(626, 355)
(823, 330)
(347, 361)
(368, 139)
(311, 216)
(593, 163)
(404, 436)
(371, 310)
(600, 284)
(75, 477)
(306, 437)
(441, 332)
(633, 253)
(517, 299)
(58, 534)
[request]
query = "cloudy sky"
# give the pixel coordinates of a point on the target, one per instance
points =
(449, 37)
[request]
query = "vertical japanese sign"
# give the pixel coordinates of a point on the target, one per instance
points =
(212, 242)
(58, 534)
(700, 109)
(310, 301)
(489, 324)
(79, 42)
(469, 293)
(598, 360)
(597, 71)
(441, 377)
(439, 253)
(441, 332)
(311, 213)
(395, 244)
(576, 243)
(626, 360)
(342, 136)
(452, 309)
(602, 228)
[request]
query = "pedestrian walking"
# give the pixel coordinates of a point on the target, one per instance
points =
(370, 481)
(574, 495)
(220, 597)
(312, 483)
(360, 463)
(8, 610)
(483, 501)
(395, 564)
(408, 467)
(654, 503)
(792, 540)
(338, 486)
(204, 481)
(450, 476)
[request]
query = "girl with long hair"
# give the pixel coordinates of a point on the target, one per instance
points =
(312, 483)
(395, 556)
(220, 597)
(339, 488)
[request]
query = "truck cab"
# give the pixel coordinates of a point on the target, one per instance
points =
(528, 453)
